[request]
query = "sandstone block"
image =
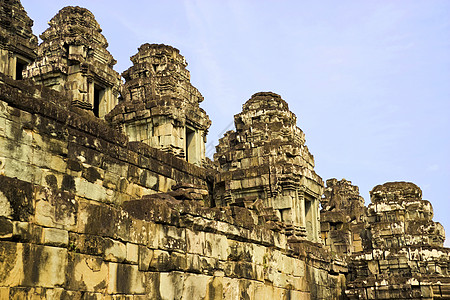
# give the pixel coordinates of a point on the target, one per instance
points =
(6, 227)
(55, 237)
(153, 231)
(216, 245)
(246, 289)
(214, 289)
(172, 238)
(161, 261)
(195, 241)
(298, 268)
(55, 209)
(44, 266)
(264, 291)
(11, 264)
(4, 293)
(132, 253)
(195, 286)
(115, 251)
(145, 258)
(86, 273)
(193, 263)
(230, 288)
(125, 279)
(171, 285)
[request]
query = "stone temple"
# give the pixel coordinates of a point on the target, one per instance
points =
(106, 192)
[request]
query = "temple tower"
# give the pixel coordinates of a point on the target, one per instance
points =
(342, 217)
(73, 59)
(17, 42)
(161, 106)
(403, 256)
(266, 158)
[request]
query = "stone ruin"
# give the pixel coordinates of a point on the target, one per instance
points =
(17, 42)
(108, 196)
(342, 218)
(404, 257)
(73, 59)
(266, 158)
(161, 107)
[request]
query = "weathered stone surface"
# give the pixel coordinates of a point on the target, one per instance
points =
(73, 59)
(161, 106)
(86, 273)
(89, 213)
(342, 218)
(267, 158)
(403, 255)
(17, 42)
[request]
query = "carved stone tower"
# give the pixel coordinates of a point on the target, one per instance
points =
(403, 257)
(17, 42)
(267, 158)
(73, 59)
(161, 106)
(342, 218)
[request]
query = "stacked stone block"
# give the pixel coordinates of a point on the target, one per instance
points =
(161, 106)
(342, 218)
(73, 59)
(405, 258)
(87, 212)
(71, 227)
(266, 157)
(17, 42)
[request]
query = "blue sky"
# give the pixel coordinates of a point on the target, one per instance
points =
(369, 81)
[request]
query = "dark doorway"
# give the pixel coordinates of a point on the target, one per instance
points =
(189, 143)
(20, 66)
(98, 95)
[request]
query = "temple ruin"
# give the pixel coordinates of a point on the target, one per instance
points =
(106, 193)
(342, 218)
(266, 158)
(18, 43)
(161, 107)
(404, 257)
(73, 59)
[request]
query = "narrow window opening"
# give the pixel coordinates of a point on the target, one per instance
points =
(20, 66)
(308, 219)
(189, 144)
(98, 95)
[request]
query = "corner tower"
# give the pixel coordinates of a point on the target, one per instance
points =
(266, 157)
(403, 257)
(17, 42)
(161, 106)
(73, 59)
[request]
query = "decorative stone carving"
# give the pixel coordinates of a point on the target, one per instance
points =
(404, 257)
(342, 217)
(161, 107)
(266, 157)
(17, 42)
(86, 212)
(73, 59)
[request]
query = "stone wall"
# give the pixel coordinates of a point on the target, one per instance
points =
(81, 217)
(106, 201)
